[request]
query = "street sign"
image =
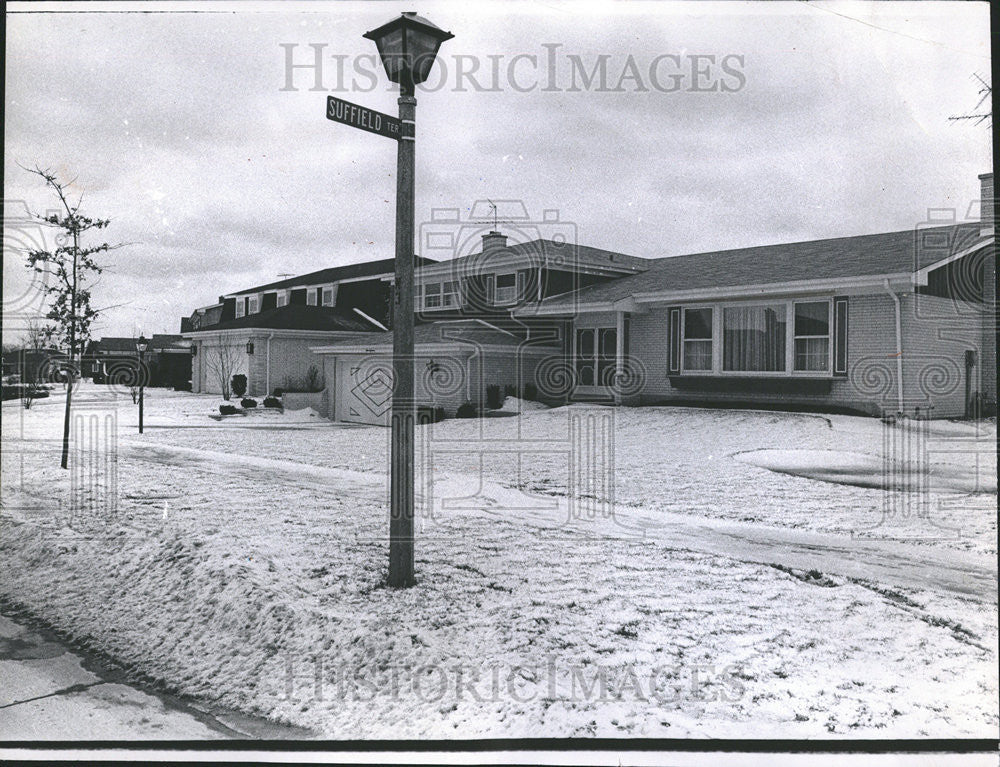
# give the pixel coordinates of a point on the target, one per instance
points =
(367, 119)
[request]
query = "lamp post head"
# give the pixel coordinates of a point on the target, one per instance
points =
(407, 46)
(249, 347)
(141, 345)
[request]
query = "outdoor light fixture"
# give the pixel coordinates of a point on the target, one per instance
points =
(249, 347)
(140, 346)
(194, 350)
(407, 46)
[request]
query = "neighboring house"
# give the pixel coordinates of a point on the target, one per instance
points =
(32, 365)
(902, 321)
(362, 289)
(114, 360)
(271, 348)
(455, 362)
(500, 279)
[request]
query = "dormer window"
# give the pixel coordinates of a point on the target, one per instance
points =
(240, 305)
(311, 297)
(282, 298)
(506, 288)
(253, 305)
(328, 296)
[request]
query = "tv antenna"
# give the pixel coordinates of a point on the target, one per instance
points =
(494, 206)
(985, 92)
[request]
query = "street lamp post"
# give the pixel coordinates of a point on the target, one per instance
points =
(140, 346)
(407, 46)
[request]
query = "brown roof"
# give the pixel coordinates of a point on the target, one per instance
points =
(458, 331)
(840, 257)
(297, 317)
(335, 273)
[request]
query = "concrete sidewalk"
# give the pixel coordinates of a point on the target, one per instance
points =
(48, 692)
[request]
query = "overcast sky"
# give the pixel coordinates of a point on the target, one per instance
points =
(827, 120)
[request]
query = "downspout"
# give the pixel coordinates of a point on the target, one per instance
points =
(899, 347)
(267, 366)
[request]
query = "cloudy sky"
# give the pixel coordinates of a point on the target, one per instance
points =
(717, 125)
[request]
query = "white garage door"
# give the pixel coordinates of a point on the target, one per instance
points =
(364, 390)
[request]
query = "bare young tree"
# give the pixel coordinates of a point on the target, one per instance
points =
(37, 337)
(74, 272)
(222, 362)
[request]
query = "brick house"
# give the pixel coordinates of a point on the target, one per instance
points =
(901, 321)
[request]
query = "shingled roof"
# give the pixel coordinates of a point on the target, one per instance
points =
(471, 331)
(297, 317)
(836, 258)
(553, 252)
(334, 274)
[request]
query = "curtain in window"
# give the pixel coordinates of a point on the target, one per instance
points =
(754, 338)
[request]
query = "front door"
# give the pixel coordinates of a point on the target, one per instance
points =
(594, 356)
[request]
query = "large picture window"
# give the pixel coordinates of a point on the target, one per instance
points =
(698, 339)
(812, 336)
(753, 338)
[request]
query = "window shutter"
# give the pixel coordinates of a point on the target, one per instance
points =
(522, 280)
(674, 341)
(626, 332)
(840, 336)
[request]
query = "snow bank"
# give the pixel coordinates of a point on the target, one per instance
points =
(517, 405)
(866, 470)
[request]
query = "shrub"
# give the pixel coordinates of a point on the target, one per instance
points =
(493, 399)
(530, 392)
(228, 409)
(429, 414)
(509, 390)
(248, 403)
(272, 402)
(239, 384)
(314, 379)
(277, 392)
(466, 410)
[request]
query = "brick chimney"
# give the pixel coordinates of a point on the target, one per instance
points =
(495, 240)
(987, 204)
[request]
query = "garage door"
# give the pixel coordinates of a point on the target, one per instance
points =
(364, 390)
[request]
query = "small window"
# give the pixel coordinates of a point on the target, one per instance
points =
(252, 305)
(697, 339)
(327, 296)
(239, 306)
(282, 298)
(432, 295)
(311, 297)
(506, 288)
(449, 294)
(812, 336)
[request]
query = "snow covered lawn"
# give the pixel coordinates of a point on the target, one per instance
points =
(242, 563)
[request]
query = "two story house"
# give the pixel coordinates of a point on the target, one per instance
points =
(266, 332)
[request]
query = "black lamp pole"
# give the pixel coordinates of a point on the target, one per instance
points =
(407, 46)
(141, 346)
